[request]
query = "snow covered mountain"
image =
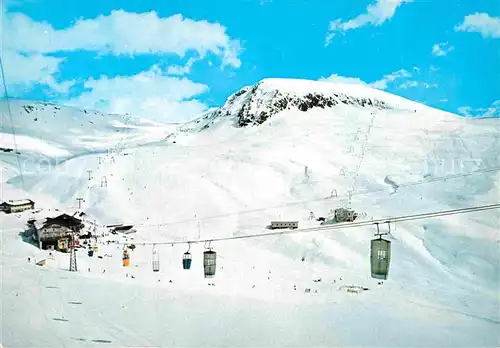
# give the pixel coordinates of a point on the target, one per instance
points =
(278, 150)
(47, 134)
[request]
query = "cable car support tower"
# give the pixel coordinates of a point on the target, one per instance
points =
(72, 254)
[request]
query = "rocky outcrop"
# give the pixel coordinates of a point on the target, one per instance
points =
(283, 101)
(254, 105)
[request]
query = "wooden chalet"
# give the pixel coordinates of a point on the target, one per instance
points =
(58, 228)
(17, 206)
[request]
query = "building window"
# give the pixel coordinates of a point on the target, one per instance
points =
(382, 254)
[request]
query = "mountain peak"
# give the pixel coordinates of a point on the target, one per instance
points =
(255, 104)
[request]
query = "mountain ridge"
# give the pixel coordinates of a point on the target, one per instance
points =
(255, 104)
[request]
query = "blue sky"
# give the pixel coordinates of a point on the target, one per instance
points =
(176, 58)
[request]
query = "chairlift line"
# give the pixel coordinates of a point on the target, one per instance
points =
(358, 193)
(361, 157)
(338, 226)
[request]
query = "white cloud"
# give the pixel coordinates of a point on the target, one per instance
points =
(442, 49)
(429, 85)
(492, 111)
(402, 76)
(481, 23)
(408, 84)
(343, 79)
(151, 94)
(390, 78)
(124, 33)
(23, 72)
(182, 70)
(376, 14)
(29, 49)
(382, 83)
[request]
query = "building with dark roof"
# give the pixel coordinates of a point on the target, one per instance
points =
(52, 230)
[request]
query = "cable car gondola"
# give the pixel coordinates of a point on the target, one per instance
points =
(126, 257)
(156, 259)
(209, 262)
(186, 258)
(380, 255)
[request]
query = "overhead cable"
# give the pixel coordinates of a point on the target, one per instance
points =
(337, 226)
(359, 193)
(9, 112)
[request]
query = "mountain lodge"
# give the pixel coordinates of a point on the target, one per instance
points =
(17, 206)
(53, 230)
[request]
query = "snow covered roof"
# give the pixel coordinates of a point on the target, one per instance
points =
(64, 216)
(44, 217)
(39, 224)
(18, 202)
(53, 213)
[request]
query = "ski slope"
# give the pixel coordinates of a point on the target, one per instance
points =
(211, 178)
